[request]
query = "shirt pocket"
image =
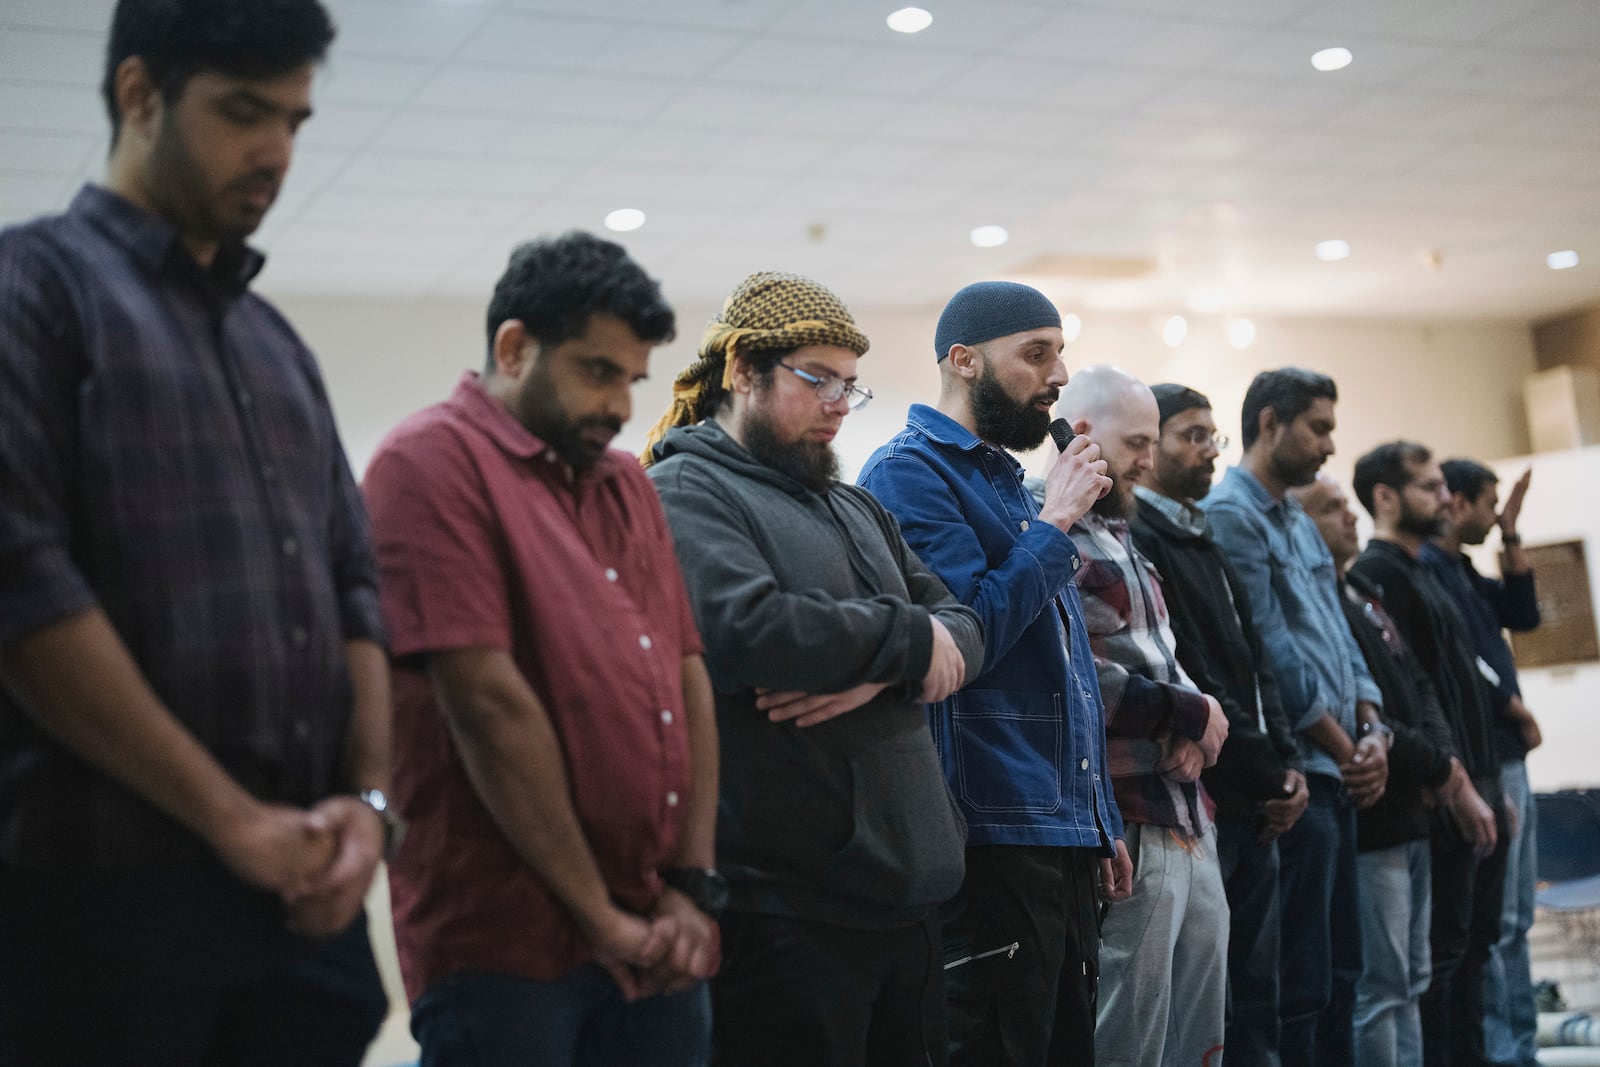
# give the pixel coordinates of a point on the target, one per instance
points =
(1008, 750)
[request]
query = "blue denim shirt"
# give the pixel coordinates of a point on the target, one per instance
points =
(1293, 588)
(1023, 745)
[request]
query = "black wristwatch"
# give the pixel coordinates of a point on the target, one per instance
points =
(705, 888)
(1381, 728)
(394, 827)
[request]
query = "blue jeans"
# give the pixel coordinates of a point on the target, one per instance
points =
(1320, 959)
(1510, 1020)
(1396, 896)
(479, 1019)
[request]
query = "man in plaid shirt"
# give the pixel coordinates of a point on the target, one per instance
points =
(1172, 933)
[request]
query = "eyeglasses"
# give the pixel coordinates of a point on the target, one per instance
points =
(1198, 437)
(831, 389)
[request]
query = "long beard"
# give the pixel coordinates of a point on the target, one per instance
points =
(1001, 420)
(813, 464)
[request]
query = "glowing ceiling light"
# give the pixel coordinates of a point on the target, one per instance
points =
(1175, 330)
(1329, 59)
(989, 236)
(1328, 251)
(624, 219)
(1565, 260)
(1071, 326)
(909, 20)
(1241, 333)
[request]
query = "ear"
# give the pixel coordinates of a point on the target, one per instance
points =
(138, 100)
(1083, 426)
(1267, 423)
(964, 362)
(511, 348)
(1384, 497)
(744, 373)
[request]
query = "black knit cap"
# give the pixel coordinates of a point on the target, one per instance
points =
(986, 310)
(1174, 399)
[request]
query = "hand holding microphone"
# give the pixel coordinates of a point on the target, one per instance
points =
(1076, 481)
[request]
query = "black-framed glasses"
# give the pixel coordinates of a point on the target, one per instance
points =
(831, 389)
(1199, 437)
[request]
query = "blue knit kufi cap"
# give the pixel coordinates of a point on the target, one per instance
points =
(986, 310)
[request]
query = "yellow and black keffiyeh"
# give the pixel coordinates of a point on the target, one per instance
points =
(768, 310)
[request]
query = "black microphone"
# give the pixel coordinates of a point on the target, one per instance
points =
(1061, 433)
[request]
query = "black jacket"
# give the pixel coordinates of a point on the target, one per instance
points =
(1431, 624)
(1219, 648)
(1420, 758)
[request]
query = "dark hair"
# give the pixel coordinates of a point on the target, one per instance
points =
(1288, 391)
(178, 39)
(763, 365)
(1467, 477)
(1389, 465)
(553, 286)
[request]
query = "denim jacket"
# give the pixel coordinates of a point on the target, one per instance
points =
(1023, 744)
(1293, 588)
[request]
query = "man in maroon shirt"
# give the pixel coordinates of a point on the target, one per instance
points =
(555, 747)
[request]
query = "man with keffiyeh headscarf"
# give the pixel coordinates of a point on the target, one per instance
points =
(824, 634)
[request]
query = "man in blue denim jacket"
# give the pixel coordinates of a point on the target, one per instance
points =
(1023, 746)
(1330, 700)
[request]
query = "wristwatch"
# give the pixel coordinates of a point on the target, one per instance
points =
(394, 827)
(1379, 728)
(705, 888)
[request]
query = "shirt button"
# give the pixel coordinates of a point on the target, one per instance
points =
(1023, 525)
(1076, 562)
(298, 637)
(302, 730)
(550, 457)
(611, 574)
(291, 547)
(1083, 765)
(672, 800)
(666, 717)
(644, 642)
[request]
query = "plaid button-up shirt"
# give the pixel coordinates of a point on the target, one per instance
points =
(168, 455)
(1149, 699)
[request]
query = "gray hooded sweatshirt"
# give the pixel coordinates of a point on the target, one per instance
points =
(849, 821)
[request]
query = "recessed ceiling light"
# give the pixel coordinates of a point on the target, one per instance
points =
(1332, 59)
(909, 20)
(1241, 333)
(1328, 251)
(990, 236)
(1564, 260)
(624, 219)
(1071, 326)
(1175, 330)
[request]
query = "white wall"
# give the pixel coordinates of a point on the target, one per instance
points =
(1455, 387)
(1560, 506)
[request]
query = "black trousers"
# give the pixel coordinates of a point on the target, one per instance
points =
(1037, 1007)
(1250, 879)
(1467, 897)
(180, 969)
(803, 993)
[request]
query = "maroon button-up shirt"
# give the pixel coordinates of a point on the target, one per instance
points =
(484, 539)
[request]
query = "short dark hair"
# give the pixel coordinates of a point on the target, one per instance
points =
(1389, 464)
(1467, 477)
(178, 39)
(1288, 391)
(553, 285)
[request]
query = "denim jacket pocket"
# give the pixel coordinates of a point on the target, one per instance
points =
(1008, 747)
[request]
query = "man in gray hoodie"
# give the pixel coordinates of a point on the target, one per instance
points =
(824, 635)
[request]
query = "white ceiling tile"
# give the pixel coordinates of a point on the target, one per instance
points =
(583, 96)
(90, 15)
(1286, 54)
(410, 172)
(536, 40)
(963, 27)
(440, 131)
(1087, 35)
(1366, 17)
(896, 71)
(1429, 113)
(1573, 25)
(342, 125)
(1575, 124)
(1230, 100)
(59, 58)
(350, 79)
(560, 139)
(713, 14)
(838, 114)
(735, 108)
(1505, 73)
(346, 210)
(22, 196)
(50, 108)
(1464, 21)
(388, 28)
(675, 145)
(68, 153)
(489, 90)
(665, 52)
(785, 61)
(1258, 13)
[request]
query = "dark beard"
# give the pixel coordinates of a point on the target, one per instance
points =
(537, 410)
(1113, 505)
(1186, 484)
(1415, 525)
(811, 463)
(1295, 476)
(1001, 420)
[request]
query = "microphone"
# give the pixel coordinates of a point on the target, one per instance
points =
(1061, 433)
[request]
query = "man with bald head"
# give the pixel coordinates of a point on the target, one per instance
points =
(1023, 745)
(1162, 967)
